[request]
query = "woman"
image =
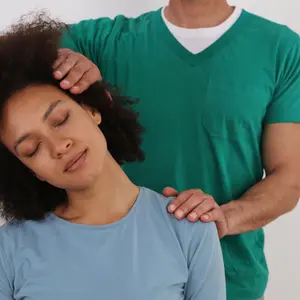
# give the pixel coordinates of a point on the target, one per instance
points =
(77, 227)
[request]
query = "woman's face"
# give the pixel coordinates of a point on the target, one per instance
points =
(55, 137)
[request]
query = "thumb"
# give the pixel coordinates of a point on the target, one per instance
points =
(222, 228)
(170, 192)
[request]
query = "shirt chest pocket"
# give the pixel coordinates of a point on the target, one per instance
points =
(229, 111)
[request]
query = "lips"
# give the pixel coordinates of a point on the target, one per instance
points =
(74, 162)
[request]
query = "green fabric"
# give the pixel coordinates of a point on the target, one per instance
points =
(204, 114)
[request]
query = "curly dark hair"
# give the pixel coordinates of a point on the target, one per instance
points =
(28, 51)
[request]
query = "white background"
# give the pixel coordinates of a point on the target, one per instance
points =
(282, 237)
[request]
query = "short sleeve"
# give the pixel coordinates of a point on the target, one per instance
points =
(95, 38)
(285, 104)
(206, 278)
(5, 277)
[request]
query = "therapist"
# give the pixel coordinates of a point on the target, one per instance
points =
(219, 92)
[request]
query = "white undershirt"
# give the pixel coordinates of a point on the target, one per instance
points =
(198, 39)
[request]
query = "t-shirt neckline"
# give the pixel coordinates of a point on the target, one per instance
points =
(167, 39)
(54, 218)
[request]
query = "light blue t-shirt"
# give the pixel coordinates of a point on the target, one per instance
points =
(147, 255)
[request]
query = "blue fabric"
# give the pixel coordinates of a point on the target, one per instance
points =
(147, 255)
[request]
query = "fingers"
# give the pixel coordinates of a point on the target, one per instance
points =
(65, 63)
(58, 62)
(186, 202)
(222, 227)
(213, 215)
(88, 78)
(75, 72)
(181, 198)
(62, 55)
(79, 72)
(206, 206)
(170, 192)
(73, 69)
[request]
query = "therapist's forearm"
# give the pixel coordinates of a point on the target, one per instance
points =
(272, 197)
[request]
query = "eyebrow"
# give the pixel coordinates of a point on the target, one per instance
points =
(50, 109)
(45, 117)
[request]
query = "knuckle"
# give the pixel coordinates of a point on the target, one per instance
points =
(84, 61)
(184, 208)
(70, 52)
(63, 69)
(178, 201)
(65, 50)
(198, 191)
(209, 198)
(83, 84)
(67, 65)
(78, 70)
(62, 53)
(187, 193)
(196, 201)
(72, 59)
(95, 67)
(201, 207)
(88, 78)
(208, 205)
(96, 73)
(82, 57)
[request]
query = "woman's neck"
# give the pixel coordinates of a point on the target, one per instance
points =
(107, 201)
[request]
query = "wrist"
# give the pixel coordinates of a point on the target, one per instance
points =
(232, 212)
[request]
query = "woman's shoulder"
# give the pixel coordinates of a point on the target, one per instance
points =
(13, 234)
(187, 232)
(9, 231)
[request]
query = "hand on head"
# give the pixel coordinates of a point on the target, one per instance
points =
(76, 72)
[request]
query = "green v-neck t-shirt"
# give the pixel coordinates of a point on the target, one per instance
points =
(203, 113)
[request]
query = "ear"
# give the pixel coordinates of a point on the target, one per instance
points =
(93, 113)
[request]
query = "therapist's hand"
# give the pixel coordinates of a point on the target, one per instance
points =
(195, 205)
(75, 70)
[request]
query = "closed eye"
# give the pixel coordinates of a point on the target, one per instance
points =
(34, 152)
(63, 121)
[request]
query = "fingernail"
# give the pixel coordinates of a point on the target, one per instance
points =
(76, 88)
(58, 74)
(193, 215)
(179, 213)
(65, 82)
(172, 207)
(205, 217)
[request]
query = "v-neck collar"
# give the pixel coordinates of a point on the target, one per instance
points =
(194, 59)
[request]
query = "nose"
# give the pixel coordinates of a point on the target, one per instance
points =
(61, 147)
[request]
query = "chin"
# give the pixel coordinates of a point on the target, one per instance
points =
(84, 182)
(74, 185)
(80, 180)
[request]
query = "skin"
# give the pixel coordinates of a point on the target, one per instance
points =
(44, 129)
(273, 196)
(197, 13)
(84, 72)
